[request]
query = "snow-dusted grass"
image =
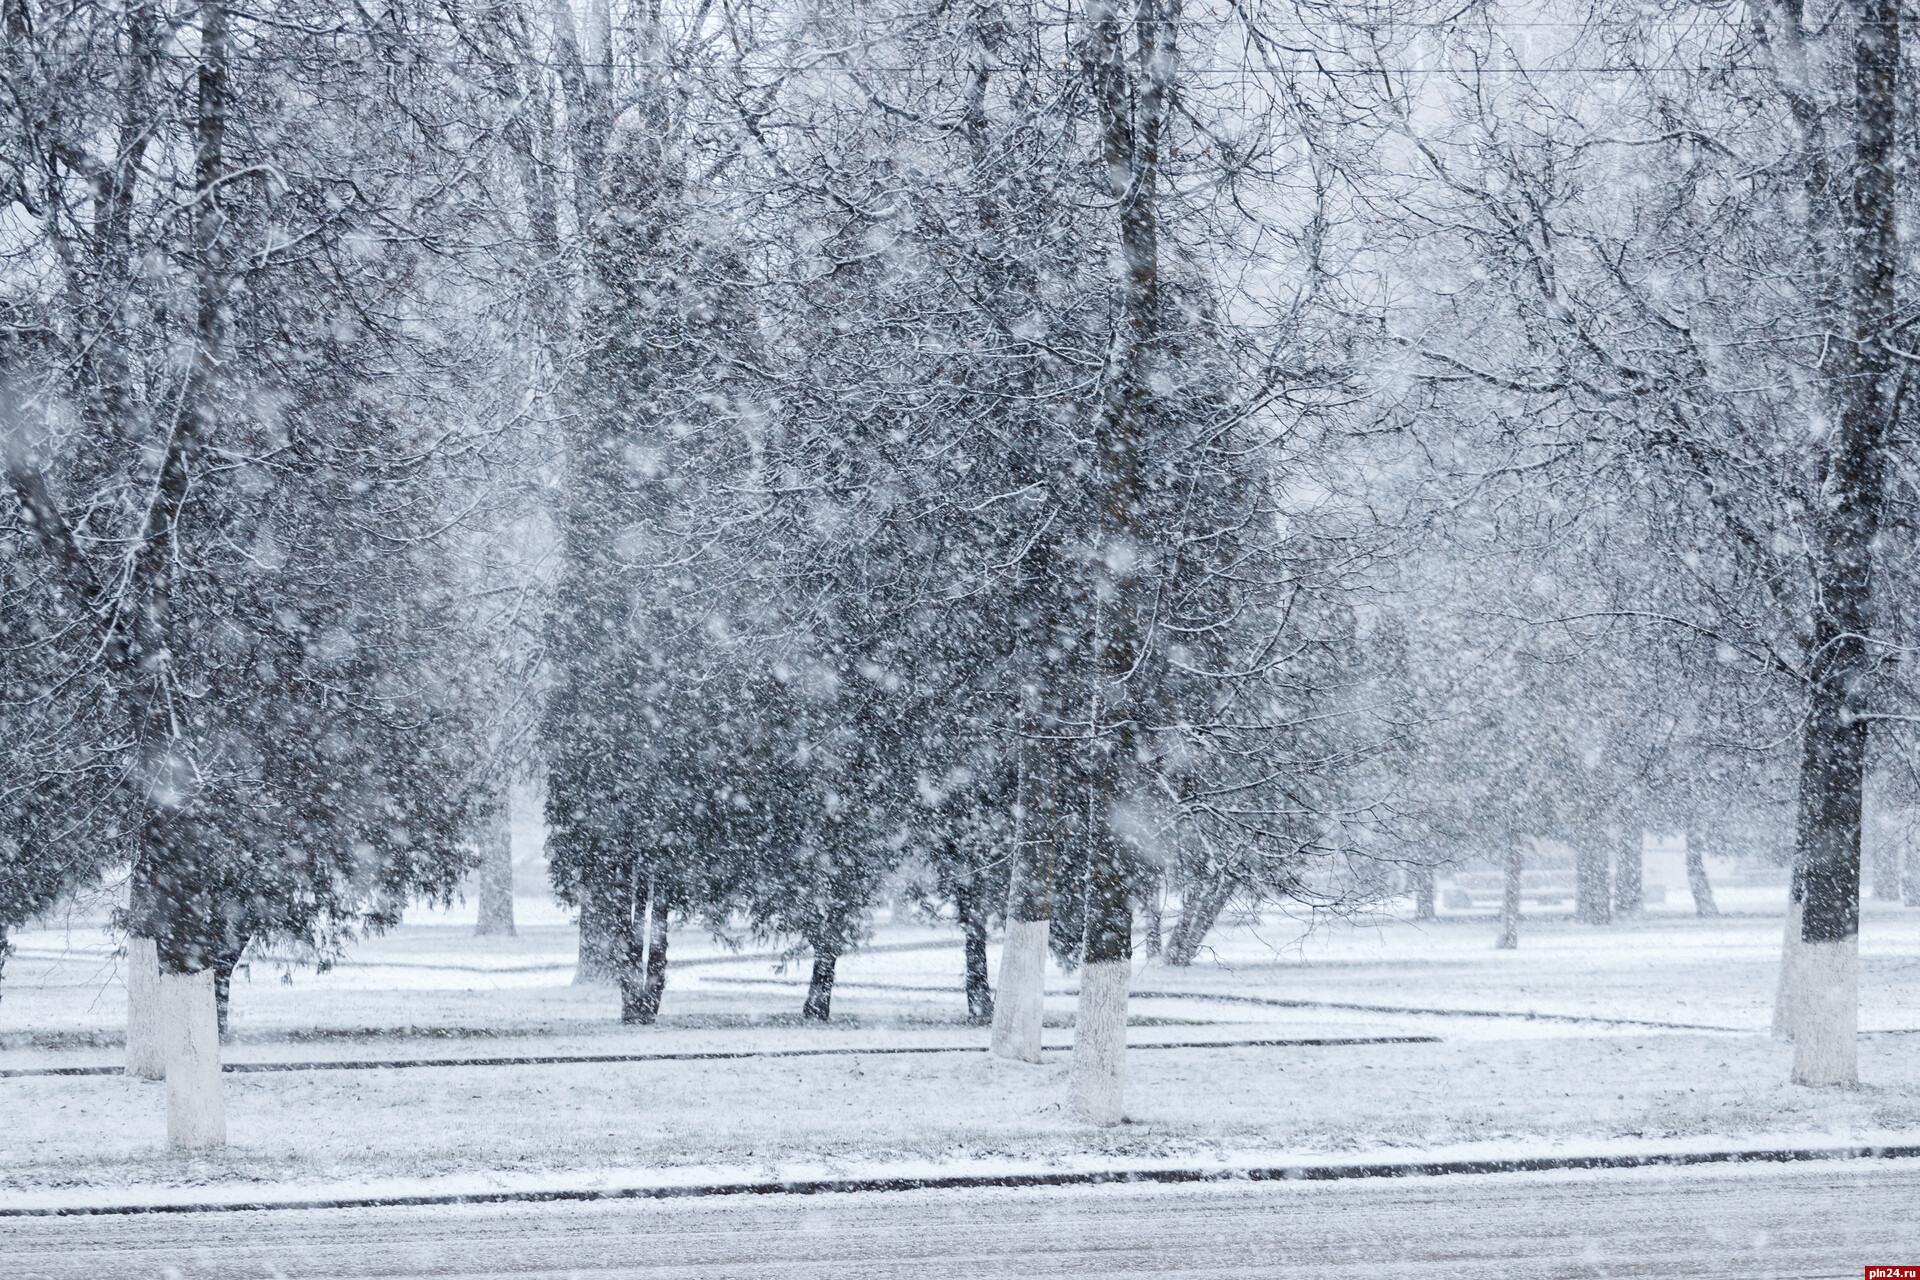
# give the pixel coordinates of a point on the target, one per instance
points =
(432, 990)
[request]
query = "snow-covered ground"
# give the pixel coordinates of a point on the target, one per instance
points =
(432, 990)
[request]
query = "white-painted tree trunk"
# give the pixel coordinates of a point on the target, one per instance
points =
(146, 1055)
(1098, 1088)
(1790, 997)
(196, 1108)
(1019, 1002)
(1826, 1044)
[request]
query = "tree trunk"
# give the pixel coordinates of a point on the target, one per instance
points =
(1019, 1006)
(1629, 876)
(1592, 893)
(1912, 876)
(1152, 909)
(190, 1030)
(1197, 916)
(640, 952)
(146, 1054)
(1100, 1041)
(1132, 101)
(656, 956)
(173, 901)
(1697, 880)
(225, 961)
(597, 962)
(973, 927)
(643, 967)
(1823, 1011)
(1106, 972)
(1510, 899)
(629, 954)
(493, 877)
(631, 979)
(1825, 1048)
(1423, 907)
(819, 1005)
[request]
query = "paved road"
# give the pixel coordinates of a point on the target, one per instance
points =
(1775, 1222)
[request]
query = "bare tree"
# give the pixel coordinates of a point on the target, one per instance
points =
(1735, 350)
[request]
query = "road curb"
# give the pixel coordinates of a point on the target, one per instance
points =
(976, 1181)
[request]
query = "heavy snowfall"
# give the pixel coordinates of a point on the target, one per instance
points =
(878, 637)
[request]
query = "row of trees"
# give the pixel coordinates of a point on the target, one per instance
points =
(897, 526)
(1072, 447)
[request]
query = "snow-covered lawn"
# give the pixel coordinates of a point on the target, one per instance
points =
(433, 990)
